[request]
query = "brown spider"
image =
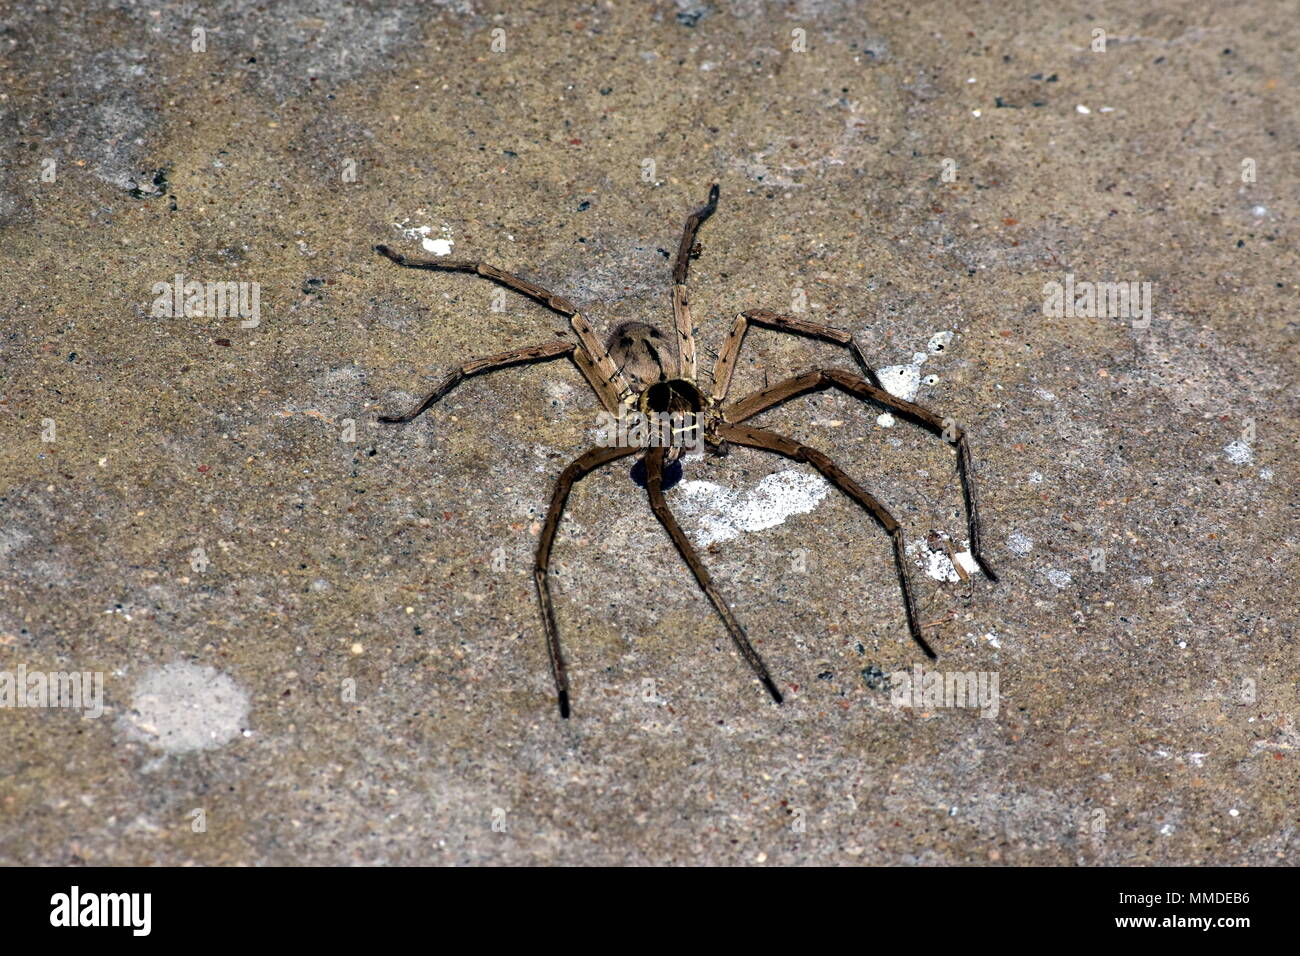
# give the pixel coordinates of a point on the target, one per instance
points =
(634, 370)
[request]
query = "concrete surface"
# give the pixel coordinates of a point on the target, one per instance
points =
(316, 650)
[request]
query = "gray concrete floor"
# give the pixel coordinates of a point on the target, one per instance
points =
(317, 650)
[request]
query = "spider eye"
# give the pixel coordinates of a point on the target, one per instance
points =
(654, 334)
(626, 341)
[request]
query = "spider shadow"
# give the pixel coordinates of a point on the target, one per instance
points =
(672, 473)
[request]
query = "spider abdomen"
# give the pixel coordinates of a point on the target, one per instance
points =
(642, 354)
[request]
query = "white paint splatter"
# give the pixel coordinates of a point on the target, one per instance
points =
(904, 381)
(721, 514)
(939, 342)
(901, 380)
(1059, 578)
(937, 565)
(1035, 477)
(183, 707)
(414, 232)
(439, 247)
(1238, 452)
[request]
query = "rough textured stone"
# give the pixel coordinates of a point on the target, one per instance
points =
(198, 508)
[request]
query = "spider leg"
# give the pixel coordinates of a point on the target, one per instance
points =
(605, 377)
(726, 363)
(681, 298)
(556, 303)
(607, 381)
(523, 356)
(945, 428)
(654, 486)
(578, 469)
(770, 441)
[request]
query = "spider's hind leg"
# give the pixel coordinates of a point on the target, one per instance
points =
(654, 485)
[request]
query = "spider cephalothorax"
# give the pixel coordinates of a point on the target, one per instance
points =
(636, 370)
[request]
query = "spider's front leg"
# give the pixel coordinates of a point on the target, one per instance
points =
(546, 297)
(726, 364)
(590, 356)
(523, 356)
(681, 297)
